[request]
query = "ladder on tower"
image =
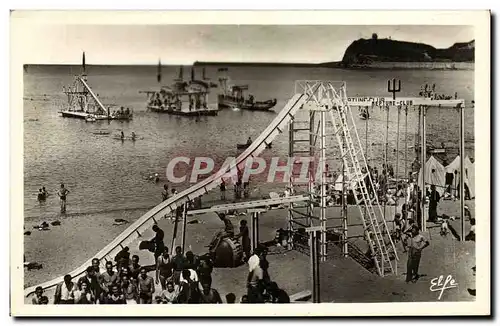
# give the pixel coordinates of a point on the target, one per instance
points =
(376, 232)
(300, 145)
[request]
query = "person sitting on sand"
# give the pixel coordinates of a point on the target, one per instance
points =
(92, 282)
(115, 296)
(65, 291)
(38, 297)
(230, 298)
(277, 295)
(84, 295)
(472, 233)
(169, 295)
(124, 270)
(227, 233)
(209, 295)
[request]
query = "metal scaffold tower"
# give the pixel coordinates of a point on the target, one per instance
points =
(328, 106)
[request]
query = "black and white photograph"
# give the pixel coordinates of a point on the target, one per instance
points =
(249, 158)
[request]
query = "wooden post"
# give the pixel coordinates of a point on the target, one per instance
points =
(314, 256)
(290, 184)
(397, 157)
(344, 200)
(462, 172)
(423, 149)
(255, 213)
(385, 160)
(184, 226)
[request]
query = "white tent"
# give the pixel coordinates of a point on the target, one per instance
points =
(435, 174)
(454, 167)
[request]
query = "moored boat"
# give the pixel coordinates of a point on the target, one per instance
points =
(234, 97)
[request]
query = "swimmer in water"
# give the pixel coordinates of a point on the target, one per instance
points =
(157, 178)
(41, 196)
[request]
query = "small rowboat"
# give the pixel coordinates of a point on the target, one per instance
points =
(245, 146)
(101, 132)
(127, 138)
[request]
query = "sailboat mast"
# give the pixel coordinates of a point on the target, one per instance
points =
(83, 64)
(158, 75)
(181, 73)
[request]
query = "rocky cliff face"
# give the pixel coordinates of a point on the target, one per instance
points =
(366, 51)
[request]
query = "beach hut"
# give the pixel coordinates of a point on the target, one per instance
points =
(435, 174)
(454, 168)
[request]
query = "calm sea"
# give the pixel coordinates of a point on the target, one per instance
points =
(104, 174)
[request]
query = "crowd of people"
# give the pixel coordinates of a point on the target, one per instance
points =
(181, 278)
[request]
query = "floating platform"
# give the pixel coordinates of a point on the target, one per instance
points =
(84, 116)
(191, 113)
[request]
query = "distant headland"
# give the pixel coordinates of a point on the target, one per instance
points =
(386, 53)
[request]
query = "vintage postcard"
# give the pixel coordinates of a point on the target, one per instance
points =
(323, 160)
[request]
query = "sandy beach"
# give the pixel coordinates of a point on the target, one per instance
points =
(65, 247)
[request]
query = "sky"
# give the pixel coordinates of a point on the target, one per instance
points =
(184, 44)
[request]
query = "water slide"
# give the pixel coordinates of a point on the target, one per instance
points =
(84, 83)
(276, 127)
